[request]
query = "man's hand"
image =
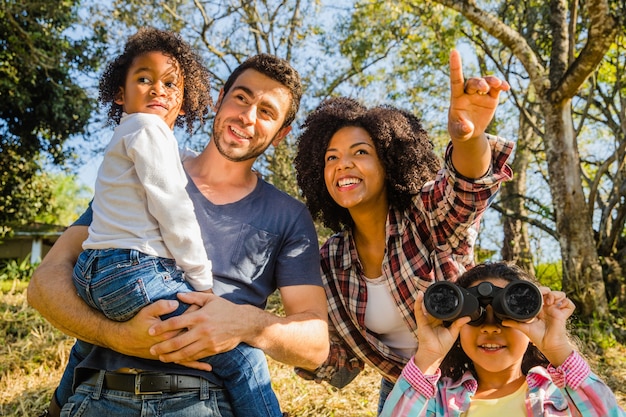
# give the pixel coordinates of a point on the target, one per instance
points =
(69, 313)
(214, 328)
(299, 339)
(472, 103)
(132, 338)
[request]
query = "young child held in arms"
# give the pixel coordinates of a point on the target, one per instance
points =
(144, 241)
(488, 361)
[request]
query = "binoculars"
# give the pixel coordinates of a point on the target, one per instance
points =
(519, 300)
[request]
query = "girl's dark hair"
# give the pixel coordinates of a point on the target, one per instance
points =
(456, 361)
(402, 145)
(197, 79)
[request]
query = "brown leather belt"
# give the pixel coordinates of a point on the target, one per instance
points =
(147, 382)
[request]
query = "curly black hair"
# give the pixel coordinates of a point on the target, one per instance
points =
(277, 69)
(456, 361)
(197, 88)
(402, 145)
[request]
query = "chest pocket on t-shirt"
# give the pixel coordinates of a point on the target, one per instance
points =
(253, 252)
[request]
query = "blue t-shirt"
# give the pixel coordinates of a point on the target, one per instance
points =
(262, 242)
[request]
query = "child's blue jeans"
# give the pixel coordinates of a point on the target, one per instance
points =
(120, 282)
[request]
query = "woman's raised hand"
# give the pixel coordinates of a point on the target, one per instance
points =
(473, 102)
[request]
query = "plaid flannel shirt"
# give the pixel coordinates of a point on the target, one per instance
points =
(433, 240)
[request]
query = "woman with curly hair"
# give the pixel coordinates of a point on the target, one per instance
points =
(144, 241)
(402, 218)
(499, 364)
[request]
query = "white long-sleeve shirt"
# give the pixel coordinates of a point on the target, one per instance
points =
(140, 199)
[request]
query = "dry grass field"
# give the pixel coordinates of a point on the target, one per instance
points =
(33, 354)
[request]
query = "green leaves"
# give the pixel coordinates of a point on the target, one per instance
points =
(43, 55)
(41, 104)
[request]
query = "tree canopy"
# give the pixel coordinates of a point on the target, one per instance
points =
(42, 102)
(566, 107)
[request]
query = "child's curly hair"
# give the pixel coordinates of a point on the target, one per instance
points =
(402, 145)
(197, 88)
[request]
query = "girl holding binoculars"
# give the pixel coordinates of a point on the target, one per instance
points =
(493, 366)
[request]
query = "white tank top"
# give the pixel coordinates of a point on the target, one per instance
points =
(383, 317)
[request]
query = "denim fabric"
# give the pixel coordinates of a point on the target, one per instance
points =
(385, 388)
(78, 352)
(246, 377)
(120, 282)
(243, 370)
(94, 401)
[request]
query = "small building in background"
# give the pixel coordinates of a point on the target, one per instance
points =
(34, 240)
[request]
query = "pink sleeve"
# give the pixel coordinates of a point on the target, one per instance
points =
(423, 384)
(571, 373)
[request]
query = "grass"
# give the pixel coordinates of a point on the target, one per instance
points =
(33, 354)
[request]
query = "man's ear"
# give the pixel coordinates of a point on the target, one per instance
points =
(217, 105)
(119, 97)
(281, 135)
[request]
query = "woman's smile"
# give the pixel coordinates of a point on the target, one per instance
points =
(348, 183)
(354, 175)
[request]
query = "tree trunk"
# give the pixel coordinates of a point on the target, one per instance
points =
(582, 273)
(556, 84)
(516, 244)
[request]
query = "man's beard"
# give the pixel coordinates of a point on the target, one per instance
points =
(250, 154)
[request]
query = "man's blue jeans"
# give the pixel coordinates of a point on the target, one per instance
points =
(243, 370)
(64, 391)
(95, 401)
(120, 282)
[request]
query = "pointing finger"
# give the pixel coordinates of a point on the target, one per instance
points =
(457, 83)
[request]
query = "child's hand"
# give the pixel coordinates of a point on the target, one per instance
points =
(548, 331)
(434, 339)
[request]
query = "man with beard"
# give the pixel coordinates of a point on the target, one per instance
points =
(258, 238)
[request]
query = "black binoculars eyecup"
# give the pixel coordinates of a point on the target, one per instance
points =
(519, 300)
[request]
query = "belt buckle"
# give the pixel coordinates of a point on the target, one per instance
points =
(138, 390)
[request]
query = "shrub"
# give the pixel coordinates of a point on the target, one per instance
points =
(13, 270)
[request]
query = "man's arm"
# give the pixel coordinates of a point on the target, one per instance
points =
(51, 291)
(298, 339)
(301, 339)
